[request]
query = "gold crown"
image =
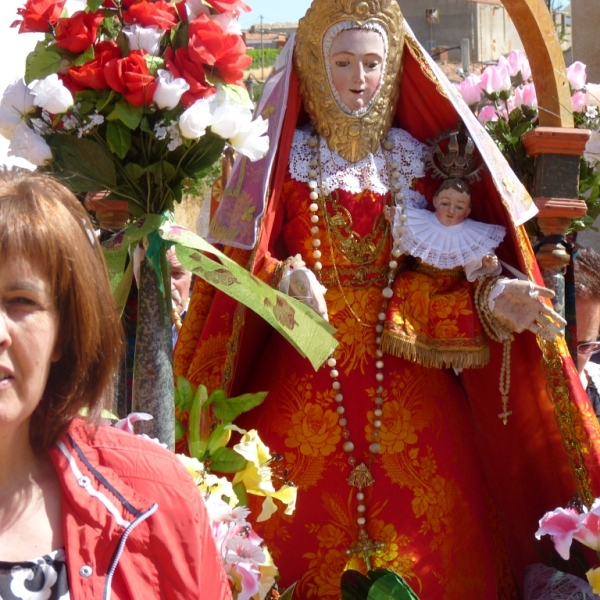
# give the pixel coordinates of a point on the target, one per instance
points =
(459, 158)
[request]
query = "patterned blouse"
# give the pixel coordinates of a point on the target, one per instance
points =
(42, 578)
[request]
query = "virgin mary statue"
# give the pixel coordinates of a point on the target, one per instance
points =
(441, 477)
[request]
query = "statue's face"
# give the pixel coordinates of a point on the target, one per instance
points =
(356, 62)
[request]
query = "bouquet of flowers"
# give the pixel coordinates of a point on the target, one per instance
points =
(504, 99)
(135, 97)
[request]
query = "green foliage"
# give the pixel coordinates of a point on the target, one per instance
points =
(380, 584)
(589, 191)
(270, 54)
(41, 62)
(229, 409)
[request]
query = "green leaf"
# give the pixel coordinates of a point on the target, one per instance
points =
(129, 114)
(163, 171)
(289, 592)
(180, 35)
(388, 585)
(202, 155)
(226, 460)
(85, 108)
(216, 395)
(40, 63)
(355, 585)
(154, 63)
(118, 137)
(179, 430)
(187, 392)
(94, 5)
(240, 492)
(84, 57)
(106, 97)
(218, 438)
(145, 126)
(134, 170)
(229, 409)
(196, 445)
(84, 165)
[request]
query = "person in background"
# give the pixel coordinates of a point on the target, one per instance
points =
(86, 511)
(181, 280)
(587, 303)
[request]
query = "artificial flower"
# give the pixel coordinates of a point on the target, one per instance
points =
(470, 89)
(229, 5)
(576, 74)
(126, 424)
(160, 14)
(592, 148)
(228, 22)
(144, 38)
(593, 577)
(181, 64)
(169, 89)
(78, 33)
(51, 94)
(29, 145)
(517, 62)
(488, 113)
(91, 74)
(592, 94)
(131, 77)
(16, 102)
(195, 8)
(495, 80)
(526, 96)
(194, 122)
(560, 524)
(578, 101)
(211, 46)
(251, 139)
(39, 15)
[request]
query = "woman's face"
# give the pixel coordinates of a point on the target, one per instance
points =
(356, 62)
(28, 334)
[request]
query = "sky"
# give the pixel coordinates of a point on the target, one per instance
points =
(273, 11)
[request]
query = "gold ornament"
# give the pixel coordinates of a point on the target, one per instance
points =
(351, 135)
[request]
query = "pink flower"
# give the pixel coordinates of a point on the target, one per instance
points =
(495, 79)
(589, 527)
(526, 96)
(470, 89)
(577, 75)
(517, 61)
(487, 113)
(561, 525)
(578, 101)
(126, 424)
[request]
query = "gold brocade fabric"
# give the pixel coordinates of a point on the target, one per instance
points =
(428, 504)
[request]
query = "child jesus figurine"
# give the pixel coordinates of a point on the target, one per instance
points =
(431, 318)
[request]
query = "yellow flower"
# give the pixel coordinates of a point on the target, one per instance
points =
(593, 577)
(257, 476)
(208, 483)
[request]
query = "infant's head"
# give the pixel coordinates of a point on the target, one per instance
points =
(452, 201)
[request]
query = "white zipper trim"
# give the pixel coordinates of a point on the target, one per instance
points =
(121, 547)
(91, 490)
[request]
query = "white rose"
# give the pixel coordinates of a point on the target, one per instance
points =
(228, 23)
(592, 94)
(251, 140)
(29, 145)
(229, 118)
(194, 121)
(169, 89)
(144, 38)
(16, 101)
(195, 8)
(51, 94)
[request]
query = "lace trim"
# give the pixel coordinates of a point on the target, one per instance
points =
(443, 246)
(370, 173)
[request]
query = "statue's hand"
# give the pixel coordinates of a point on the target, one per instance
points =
(304, 287)
(519, 307)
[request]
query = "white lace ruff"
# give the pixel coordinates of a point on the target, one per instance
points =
(446, 246)
(369, 173)
(545, 583)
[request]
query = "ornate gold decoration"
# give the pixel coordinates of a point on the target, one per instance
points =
(360, 477)
(352, 136)
(356, 249)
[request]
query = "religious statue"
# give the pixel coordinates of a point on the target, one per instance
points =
(398, 465)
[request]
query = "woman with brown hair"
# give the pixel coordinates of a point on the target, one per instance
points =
(85, 511)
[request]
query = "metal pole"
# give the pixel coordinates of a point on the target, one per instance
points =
(465, 50)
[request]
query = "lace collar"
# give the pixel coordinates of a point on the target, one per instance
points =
(369, 173)
(446, 247)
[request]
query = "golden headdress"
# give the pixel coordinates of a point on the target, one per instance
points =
(351, 134)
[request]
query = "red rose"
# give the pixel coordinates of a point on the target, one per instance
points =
(38, 15)
(229, 5)
(181, 64)
(91, 74)
(145, 13)
(78, 32)
(130, 76)
(211, 46)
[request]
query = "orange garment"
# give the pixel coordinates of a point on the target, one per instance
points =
(458, 494)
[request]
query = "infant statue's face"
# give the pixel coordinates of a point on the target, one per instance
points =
(356, 61)
(452, 207)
